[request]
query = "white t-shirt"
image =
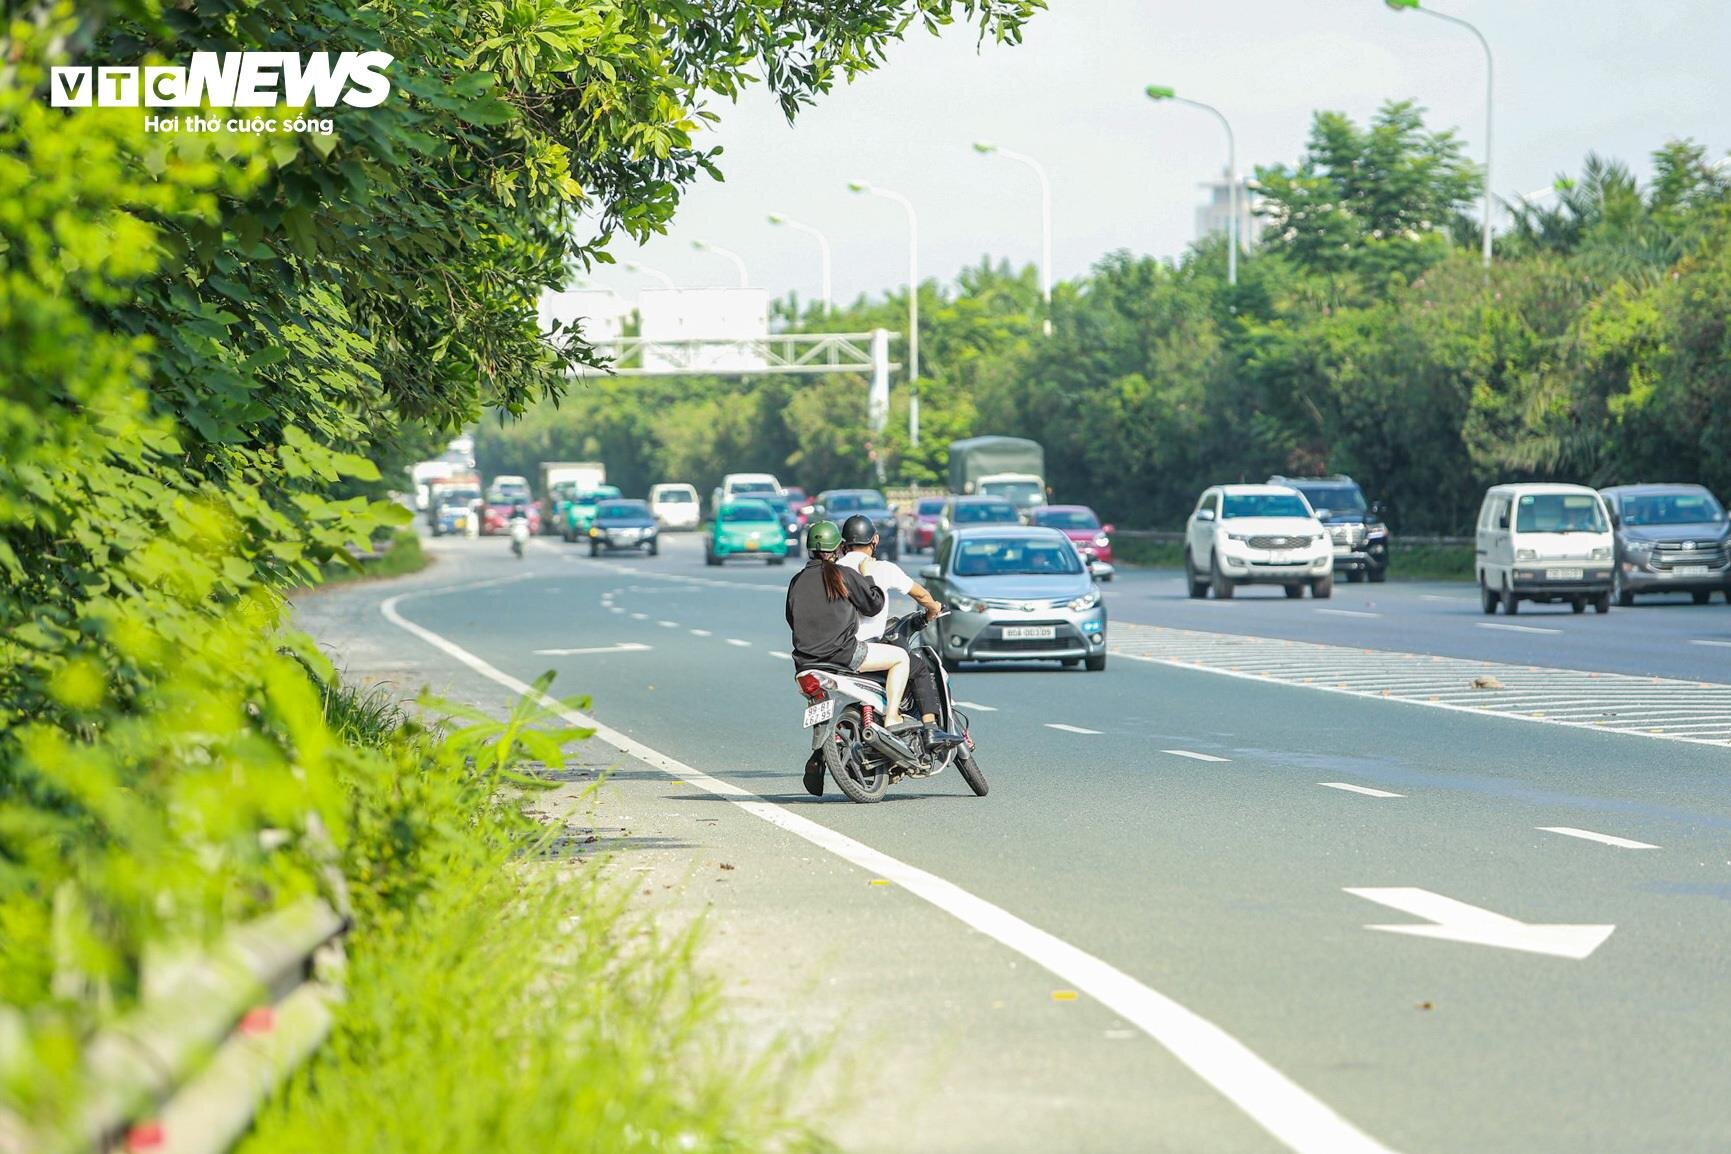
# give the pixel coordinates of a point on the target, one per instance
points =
(889, 577)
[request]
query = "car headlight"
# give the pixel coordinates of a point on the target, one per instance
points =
(1238, 537)
(963, 604)
(595, 530)
(1602, 553)
(1102, 541)
(1526, 555)
(1086, 601)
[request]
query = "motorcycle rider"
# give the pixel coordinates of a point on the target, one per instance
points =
(824, 604)
(859, 536)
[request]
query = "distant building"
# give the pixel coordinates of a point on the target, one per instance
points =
(1216, 210)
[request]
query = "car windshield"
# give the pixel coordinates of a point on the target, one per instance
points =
(986, 513)
(741, 488)
(675, 497)
(854, 502)
(597, 495)
(621, 509)
(1335, 498)
(748, 511)
(1021, 492)
(1686, 508)
(1558, 513)
(931, 508)
(459, 496)
(1068, 518)
(1015, 557)
(1264, 505)
(505, 494)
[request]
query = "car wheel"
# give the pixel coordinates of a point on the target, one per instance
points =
(1511, 602)
(1627, 599)
(1070, 662)
(1487, 599)
(1293, 592)
(1354, 576)
(1198, 587)
(1602, 603)
(1377, 576)
(1218, 581)
(1322, 588)
(1700, 596)
(1095, 664)
(709, 557)
(778, 560)
(655, 548)
(1578, 605)
(594, 549)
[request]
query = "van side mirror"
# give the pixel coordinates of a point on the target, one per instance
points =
(1503, 520)
(930, 573)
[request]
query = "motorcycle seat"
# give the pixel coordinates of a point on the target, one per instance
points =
(826, 667)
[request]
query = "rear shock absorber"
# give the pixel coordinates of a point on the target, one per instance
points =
(870, 714)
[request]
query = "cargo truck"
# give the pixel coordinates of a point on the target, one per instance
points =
(570, 478)
(1009, 467)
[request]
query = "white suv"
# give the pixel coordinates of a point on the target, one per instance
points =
(1256, 534)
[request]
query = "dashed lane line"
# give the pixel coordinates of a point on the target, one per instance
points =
(1513, 628)
(1364, 789)
(1194, 756)
(1289, 1113)
(1602, 838)
(1348, 613)
(781, 655)
(978, 706)
(701, 633)
(668, 624)
(640, 617)
(1698, 712)
(738, 642)
(1072, 728)
(1704, 641)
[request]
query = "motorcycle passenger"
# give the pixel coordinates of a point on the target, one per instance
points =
(824, 604)
(859, 536)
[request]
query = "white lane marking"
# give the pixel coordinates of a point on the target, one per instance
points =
(1454, 921)
(738, 642)
(1302, 1122)
(668, 624)
(1440, 597)
(1364, 789)
(780, 654)
(701, 633)
(614, 609)
(622, 647)
(640, 617)
(978, 706)
(1589, 835)
(1514, 628)
(1347, 613)
(1071, 728)
(1703, 641)
(1194, 756)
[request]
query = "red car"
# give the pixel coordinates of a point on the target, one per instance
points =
(920, 527)
(1078, 522)
(496, 518)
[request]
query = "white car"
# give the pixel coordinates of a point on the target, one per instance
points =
(1544, 542)
(674, 505)
(1256, 535)
(748, 486)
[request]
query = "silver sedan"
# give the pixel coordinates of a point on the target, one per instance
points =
(1016, 594)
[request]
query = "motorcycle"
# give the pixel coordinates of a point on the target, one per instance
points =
(519, 535)
(844, 711)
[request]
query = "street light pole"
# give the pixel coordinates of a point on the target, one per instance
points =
(913, 302)
(1490, 76)
(738, 261)
(985, 149)
(654, 273)
(822, 249)
(1158, 92)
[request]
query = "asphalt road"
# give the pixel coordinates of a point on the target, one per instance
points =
(1224, 845)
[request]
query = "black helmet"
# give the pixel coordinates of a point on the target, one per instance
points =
(858, 529)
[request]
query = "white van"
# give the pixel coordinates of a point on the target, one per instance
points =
(1544, 542)
(674, 505)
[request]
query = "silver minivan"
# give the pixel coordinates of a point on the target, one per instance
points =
(1543, 542)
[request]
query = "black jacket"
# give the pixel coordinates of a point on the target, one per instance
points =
(824, 631)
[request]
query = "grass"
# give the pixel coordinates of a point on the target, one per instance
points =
(1408, 563)
(502, 999)
(404, 556)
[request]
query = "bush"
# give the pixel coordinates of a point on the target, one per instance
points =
(401, 557)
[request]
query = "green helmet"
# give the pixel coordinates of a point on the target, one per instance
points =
(823, 537)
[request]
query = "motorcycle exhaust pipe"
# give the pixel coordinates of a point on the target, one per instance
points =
(888, 743)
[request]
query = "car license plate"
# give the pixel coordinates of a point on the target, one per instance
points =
(819, 713)
(1690, 570)
(1563, 574)
(1279, 557)
(1030, 632)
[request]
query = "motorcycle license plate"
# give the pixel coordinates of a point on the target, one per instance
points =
(819, 713)
(1030, 632)
(1690, 570)
(1563, 574)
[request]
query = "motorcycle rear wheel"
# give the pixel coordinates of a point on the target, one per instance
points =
(849, 761)
(970, 769)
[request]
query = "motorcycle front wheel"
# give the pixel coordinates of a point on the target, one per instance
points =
(970, 769)
(851, 763)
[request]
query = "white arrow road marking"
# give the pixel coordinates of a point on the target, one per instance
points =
(978, 706)
(1071, 728)
(1295, 1118)
(1454, 921)
(1589, 835)
(1515, 628)
(1364, 789)
(1194, 756)
(622, 647)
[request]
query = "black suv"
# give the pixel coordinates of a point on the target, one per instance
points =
(1360, 535)
(839, 504)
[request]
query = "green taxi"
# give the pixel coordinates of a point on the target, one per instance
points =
(746, 529)
(580, 512)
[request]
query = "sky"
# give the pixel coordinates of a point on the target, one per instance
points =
(1612, 76)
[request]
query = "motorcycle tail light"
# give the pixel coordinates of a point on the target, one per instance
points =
(811, 686)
